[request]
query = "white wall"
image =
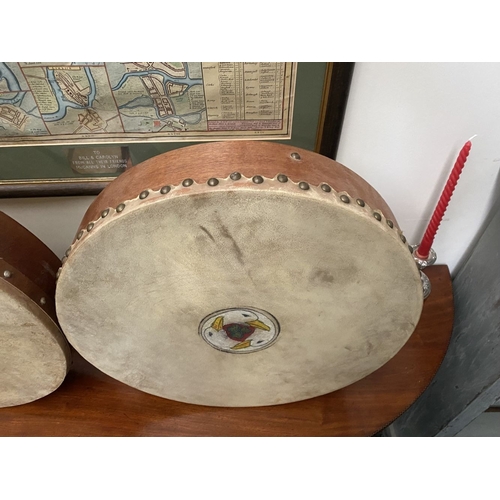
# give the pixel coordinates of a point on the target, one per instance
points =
(405, 124)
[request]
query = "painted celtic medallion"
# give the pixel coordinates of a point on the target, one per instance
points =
(239, 330)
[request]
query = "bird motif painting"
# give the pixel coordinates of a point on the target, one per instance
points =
(239, 329)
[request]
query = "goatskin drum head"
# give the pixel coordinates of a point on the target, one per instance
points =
(34, 356)
(247, 295)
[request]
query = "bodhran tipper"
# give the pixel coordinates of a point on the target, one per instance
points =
(241, 273)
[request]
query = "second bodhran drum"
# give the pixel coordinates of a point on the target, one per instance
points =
(34, 355)
(239, 274)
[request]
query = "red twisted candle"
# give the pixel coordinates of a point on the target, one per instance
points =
(422, 252)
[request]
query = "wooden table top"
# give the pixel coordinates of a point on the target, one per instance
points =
(89, 403)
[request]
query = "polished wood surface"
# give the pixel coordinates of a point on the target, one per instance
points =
(90, 403)
(220, 159)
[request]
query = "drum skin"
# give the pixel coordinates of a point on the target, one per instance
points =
(239, 274)
(34, 355)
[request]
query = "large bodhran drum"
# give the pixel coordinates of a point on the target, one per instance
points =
(239, 274)
(34, 355)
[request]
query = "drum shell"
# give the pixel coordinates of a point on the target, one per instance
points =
(35, 354)
(218, 160)
(32, 265)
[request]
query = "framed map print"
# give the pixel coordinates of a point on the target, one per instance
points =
(92, 102)
(70, 128)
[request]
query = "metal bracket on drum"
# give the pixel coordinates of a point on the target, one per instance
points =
(16, 278)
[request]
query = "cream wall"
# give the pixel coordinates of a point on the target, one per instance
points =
(404, 125)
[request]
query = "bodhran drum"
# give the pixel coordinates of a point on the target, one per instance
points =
(239, 274)
(34, 355)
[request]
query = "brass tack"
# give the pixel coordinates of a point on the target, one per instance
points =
(7, 274)
(79, 235)
(304, 186)
(257, 179)
(295, 156)
(344, 198)
(326, 188)
(212, 182)
(360, 202)
(90, 226)
(105, 213)
(377, 216)
(165, 189)
(282, 178)
(403, 238)
(144, 194)
(187, 182)
(120, 207)
(43, 301)
(390, 223)
(235, 176)
(67, 252)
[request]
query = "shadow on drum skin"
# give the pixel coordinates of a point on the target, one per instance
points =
(207, 232)
(224, 231)
(342, 274)
(322, 276)
(229, 238)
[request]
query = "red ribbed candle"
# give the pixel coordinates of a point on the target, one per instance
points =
(422, 252)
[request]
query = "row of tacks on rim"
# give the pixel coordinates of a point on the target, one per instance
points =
(212, 182)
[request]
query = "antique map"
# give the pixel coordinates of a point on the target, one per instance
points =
(91, 102)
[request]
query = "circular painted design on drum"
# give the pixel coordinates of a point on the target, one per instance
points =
(239, 330)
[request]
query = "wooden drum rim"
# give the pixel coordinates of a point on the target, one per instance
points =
(27, 264)
(219, 160)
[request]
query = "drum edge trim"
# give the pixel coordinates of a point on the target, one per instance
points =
(279, 181)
